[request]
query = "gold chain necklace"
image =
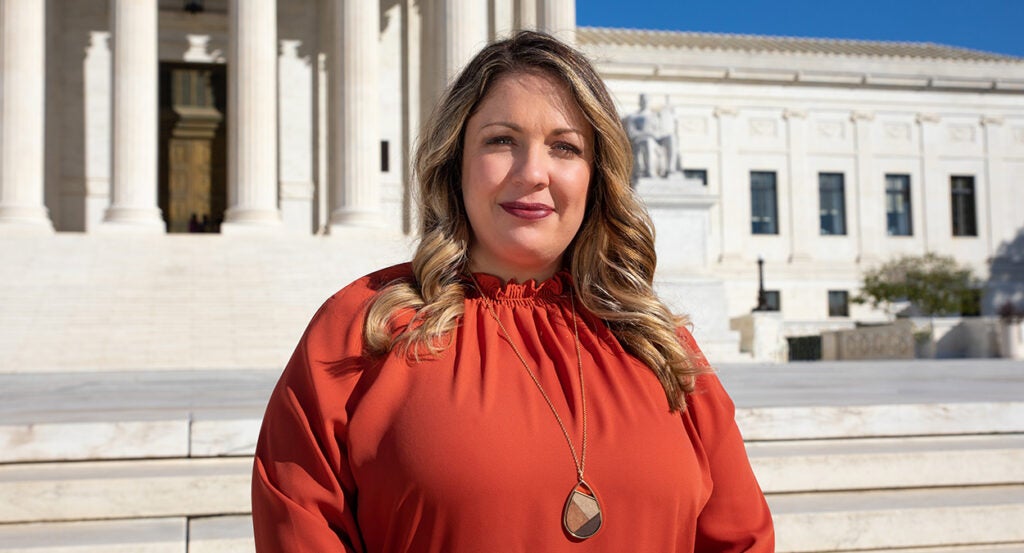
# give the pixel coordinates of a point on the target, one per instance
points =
(581, 516)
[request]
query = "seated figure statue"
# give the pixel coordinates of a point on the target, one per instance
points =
(654, 141)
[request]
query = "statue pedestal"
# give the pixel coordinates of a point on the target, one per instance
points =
(681, 211)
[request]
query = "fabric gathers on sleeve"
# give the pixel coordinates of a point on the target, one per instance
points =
(736, 516)
(303, 492)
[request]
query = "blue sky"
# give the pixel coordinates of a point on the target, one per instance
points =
(989, 25)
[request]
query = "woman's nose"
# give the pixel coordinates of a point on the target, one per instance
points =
(533, 166)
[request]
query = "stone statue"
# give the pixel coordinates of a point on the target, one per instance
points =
(655, 141)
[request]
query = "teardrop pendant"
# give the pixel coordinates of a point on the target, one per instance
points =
(582, 517)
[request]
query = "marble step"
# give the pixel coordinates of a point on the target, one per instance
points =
(166, 535)
(212, 433)
(893, 519)
(209, 413)
(909, 521)
(124, 489)
(216, 486)
(225, 534)
(880, 463)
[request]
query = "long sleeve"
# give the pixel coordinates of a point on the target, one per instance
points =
(303, 492)
(736, 517)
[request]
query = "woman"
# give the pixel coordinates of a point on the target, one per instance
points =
(518, 386)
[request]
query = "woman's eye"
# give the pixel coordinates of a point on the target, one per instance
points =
(567, 148)
(498, 140)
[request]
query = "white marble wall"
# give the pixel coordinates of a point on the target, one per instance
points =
(863, 134)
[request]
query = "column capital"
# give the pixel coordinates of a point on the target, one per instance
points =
(992, 120)
(725, 111)
(927, 118)
(865, 116)
(794, 114)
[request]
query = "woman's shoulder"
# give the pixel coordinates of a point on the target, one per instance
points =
(344, 312)
(358, 292)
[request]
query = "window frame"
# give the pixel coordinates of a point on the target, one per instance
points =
(845, 311)
(836, 192)
(764, 197)
(963, 205)
(905, 197)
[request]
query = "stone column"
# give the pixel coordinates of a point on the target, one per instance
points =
(252, 116)
(464, 25)
(932, 182)
(804, 224)
(22, 97)
(453, 32)
(558, 17)
(355, 142)
(734, 215)
(867, 191)
(135, 130)
(525, 14)
(999, 214)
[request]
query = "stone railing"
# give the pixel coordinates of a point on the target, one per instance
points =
(891, 341)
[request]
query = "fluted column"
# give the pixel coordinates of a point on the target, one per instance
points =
(252, 116)
(22, 59)
(525, 14)
(465, 32)
(135, 131)
(355, 146)
(558, 17)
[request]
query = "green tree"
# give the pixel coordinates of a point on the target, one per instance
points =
(934, 284)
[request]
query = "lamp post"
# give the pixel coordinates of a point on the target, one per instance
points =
(762, 301)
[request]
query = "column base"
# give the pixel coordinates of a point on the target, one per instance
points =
(133, 219)
(355, 218)
(251, 221)
(15, 219)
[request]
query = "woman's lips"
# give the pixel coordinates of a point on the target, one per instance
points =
(525, 210)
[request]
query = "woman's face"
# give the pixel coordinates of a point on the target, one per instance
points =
(526, 165)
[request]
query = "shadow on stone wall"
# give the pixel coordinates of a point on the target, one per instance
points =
(1006, 276)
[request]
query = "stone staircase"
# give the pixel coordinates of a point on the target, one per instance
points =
(882, 456)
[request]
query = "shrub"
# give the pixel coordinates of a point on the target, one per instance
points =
(934, 284)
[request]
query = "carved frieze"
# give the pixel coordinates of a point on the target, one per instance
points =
(831, 130)
(961, 133)
(694, 125)
(897, 132)
(764, 127)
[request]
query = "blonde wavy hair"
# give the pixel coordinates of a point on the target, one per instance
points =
(611, 259)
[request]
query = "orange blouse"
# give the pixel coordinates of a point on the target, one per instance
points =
(460, 452)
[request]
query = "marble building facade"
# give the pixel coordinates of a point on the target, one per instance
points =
(297, 117)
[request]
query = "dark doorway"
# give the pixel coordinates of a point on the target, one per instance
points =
(193, 146)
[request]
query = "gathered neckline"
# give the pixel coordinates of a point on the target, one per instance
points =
(550, 289)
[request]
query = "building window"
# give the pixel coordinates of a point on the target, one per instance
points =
(832, 203)
(764, 213)
(696, 174)
(772, 302)
(897, 205)
(385, 159)
(962, 190)
(838, 303)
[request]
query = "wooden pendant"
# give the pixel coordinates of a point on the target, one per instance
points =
(582, 516)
